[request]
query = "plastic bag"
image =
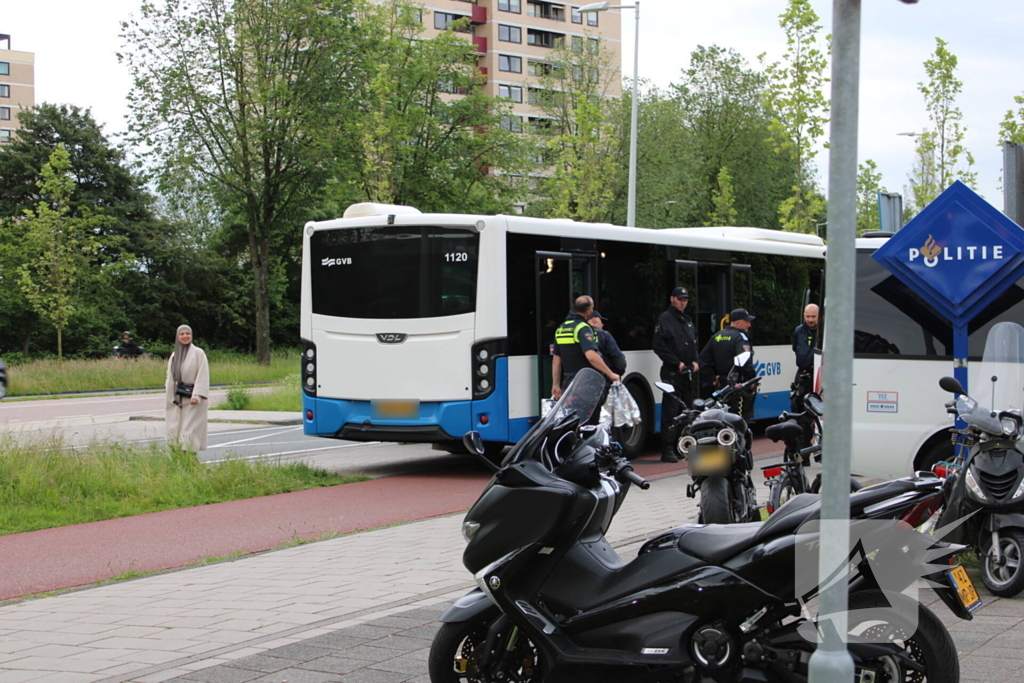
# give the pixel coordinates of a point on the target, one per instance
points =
(622, 407)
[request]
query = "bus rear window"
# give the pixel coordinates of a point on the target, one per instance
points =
(393, 272)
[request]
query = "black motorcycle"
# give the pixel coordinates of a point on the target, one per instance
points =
(556, 603)
(716, 444)
(986, 484)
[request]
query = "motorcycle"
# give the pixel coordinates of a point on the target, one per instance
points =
(128, 352)
(698, 603)
(986, 484)
(3, 379)
(716, 443)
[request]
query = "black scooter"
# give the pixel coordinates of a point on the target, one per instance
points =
(556, 603)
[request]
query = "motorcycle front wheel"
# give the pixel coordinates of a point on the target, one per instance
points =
(715, 505)
(1004, 578)
(883, 617)
(456, 653)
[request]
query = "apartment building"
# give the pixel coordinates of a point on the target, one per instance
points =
(515, 39)
(17, 86)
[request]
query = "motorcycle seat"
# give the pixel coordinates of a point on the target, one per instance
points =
(716, 543)
(789, 429)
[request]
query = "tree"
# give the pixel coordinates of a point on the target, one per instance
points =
(723, 199)
(724, 122)
(1011, 128)
(869, 184)
(59, 247)
(417, 144)
(579, 135)
(800, 109)
(941, 154)
(242, 101)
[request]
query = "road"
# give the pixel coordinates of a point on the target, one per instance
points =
(79, 421)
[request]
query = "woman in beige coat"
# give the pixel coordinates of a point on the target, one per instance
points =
(188, 370)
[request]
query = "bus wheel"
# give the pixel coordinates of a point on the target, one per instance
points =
(940, 451)
(634, 439)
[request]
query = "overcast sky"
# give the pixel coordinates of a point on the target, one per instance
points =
(75, 45)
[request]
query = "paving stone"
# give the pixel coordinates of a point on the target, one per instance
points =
(399, 642)
(402, 665)
(222, 674)
(422, 632)
(375, 676)
(335, 664)
(300, 652)
(339, 640)
(264, 663)
(368, 631)
(300, 676)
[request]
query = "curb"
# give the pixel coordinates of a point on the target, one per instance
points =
(284, 421)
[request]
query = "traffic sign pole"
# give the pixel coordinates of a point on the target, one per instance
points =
(830, 662)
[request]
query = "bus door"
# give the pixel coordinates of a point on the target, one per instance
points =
(561, 277)
(720, 288)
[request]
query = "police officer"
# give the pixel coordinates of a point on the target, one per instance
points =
(716, 359)
(576, 348)
(805, 340)
(606, 344)
(675, 342)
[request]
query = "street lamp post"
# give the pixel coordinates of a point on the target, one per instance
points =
(631, 200)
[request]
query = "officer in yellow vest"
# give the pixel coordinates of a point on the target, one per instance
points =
(576, 348)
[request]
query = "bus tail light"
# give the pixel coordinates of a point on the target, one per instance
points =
(484, 356)
(309, 361)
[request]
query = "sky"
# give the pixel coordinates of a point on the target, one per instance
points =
(76, 44)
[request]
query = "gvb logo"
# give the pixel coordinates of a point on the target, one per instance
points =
(340, 261)
(888, 557)
(931, 252)
(767, 369)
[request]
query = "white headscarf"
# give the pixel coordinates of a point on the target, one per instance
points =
(180, 351)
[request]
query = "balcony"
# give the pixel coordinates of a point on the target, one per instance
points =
(480, 43)
(545, 38)
(479, 15)
(546, 10)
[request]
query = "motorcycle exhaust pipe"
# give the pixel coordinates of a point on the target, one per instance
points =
(686, 444)
(727, 437)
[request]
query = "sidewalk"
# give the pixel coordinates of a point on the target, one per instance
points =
(357, 609)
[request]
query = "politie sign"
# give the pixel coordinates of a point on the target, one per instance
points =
(959, 254)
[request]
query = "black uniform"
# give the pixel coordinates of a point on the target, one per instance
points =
(716, 362)
(610, 351)
(805, 339)
(573, 339)
(675, 342)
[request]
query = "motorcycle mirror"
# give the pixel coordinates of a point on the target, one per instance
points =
(952, 385)
(473, 443)
(667, 388)
(742, 359)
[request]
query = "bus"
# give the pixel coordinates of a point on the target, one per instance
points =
(420, 327)
(902, 346)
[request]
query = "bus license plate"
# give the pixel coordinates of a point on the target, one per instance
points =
(710, 460)
(396, 410)
(964, 588)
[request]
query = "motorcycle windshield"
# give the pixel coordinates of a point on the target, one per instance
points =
(578, 403)
(997, 383)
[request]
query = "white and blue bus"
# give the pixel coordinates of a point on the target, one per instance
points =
(422, 327)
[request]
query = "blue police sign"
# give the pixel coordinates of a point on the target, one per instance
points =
(959, 254)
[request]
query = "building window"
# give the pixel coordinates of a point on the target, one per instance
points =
(5, 135)
(592, 45)
(539, 68)
(512, 123)
(577, 17)
(592, 18)
(510, 64)
(510, 34)
(5, 113)
(413, 14)
(510, 6)
(443, 21)
(577, 43)
(5, 68)
(5, 91)
(511, 92)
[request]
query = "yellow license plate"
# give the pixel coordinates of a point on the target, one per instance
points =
(710, 460)
(969, 597)
(396, 410)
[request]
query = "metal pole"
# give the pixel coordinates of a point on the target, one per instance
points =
(831, 663)
(631, 202)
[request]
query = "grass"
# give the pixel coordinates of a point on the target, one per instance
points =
(45, 485)
(284, 397)
(53, 377)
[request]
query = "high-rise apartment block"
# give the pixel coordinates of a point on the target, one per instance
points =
(17, 86)
(515, 39)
